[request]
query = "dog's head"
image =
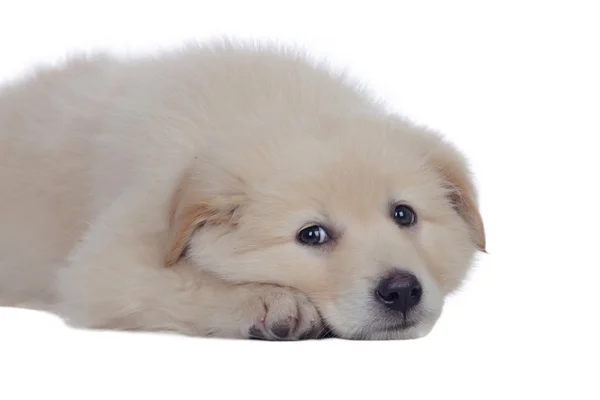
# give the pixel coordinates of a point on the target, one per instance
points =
(375, 221)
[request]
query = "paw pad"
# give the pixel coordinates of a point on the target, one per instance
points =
(282, 329)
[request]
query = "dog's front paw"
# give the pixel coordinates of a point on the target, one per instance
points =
(283, 314)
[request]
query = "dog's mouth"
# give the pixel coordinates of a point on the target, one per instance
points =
(384, 326)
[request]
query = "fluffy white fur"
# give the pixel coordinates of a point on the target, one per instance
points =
(166, 193)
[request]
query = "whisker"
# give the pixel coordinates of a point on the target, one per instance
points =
(325, 330)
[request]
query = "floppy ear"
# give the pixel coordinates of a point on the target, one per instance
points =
(190, 210)
(457, 177)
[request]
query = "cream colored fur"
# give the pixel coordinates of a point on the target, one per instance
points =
(165, 193)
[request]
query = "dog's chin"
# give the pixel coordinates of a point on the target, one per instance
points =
(399, 332)
(408, 333)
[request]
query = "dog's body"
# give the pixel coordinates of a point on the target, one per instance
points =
(169, 193)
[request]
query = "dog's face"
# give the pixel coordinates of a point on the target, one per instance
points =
(375, 222)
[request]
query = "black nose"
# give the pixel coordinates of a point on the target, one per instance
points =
(400, 291)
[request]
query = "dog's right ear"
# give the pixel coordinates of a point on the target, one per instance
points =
(452, 166)
(191, 209)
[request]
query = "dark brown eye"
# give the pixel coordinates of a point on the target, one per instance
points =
(313, 235)
(404, 215)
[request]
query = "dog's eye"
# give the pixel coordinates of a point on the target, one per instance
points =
(404, 215)
(313, 235)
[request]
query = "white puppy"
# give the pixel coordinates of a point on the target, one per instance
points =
(227, 190)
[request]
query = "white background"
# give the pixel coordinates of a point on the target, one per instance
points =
(515, 84)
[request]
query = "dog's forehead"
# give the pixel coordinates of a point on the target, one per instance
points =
(356, 165)
(350, 177)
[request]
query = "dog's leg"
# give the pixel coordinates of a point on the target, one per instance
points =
(184, 300)
(116, 280)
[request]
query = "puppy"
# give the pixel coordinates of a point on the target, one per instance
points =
(227, 190)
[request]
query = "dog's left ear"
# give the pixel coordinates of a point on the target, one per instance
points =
(457, 177)
(191, 209)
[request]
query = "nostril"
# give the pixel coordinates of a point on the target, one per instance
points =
(416, 292)
(388, 297)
